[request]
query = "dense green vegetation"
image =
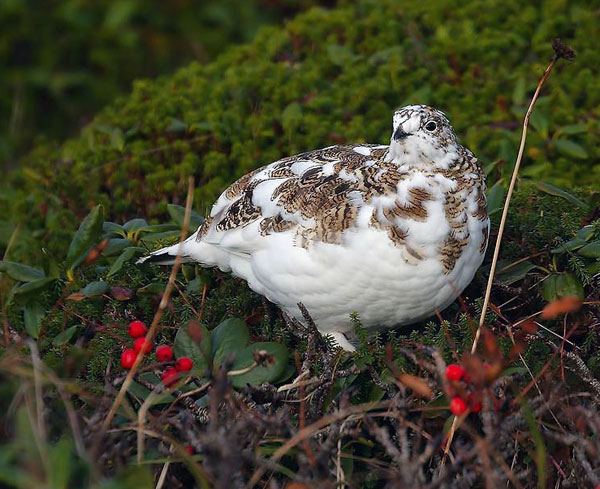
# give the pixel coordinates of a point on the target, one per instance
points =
(63, 60)
(76, 215)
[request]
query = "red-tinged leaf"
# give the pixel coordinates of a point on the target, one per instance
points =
(517, 349)
(121, 293)
(95, 252)
(562, 305)
(529, 326)
(196, 331)
(76, 296)
(417, 385)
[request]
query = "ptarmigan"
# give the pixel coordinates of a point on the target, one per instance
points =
(392, 233)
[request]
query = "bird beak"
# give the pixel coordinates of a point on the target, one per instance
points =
(399, 134)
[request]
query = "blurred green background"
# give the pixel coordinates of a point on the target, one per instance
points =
(62, 60)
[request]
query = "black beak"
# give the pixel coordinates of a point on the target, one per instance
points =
(400, 134)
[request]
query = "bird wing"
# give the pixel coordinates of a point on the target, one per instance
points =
(314, 196)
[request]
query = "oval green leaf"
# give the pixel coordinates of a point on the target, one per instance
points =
(64, 337)
(558, 192)
(495, 198)
(31, 289)
(20, 272)
(260, 374)
(86, 236)
(229, 337)
(193, 340)
(123, 258)
(33, 313)
(116, 246)
(571, 149)
(94, 289)
(590, 250)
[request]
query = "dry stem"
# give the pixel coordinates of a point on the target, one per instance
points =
(559, 51)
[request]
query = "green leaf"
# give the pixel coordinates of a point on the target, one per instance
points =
(231, 336)
(176, 125)
(95, 288)
(539, 120)
(20, 272)
(515, 273)
(51, 268)
(30, 289)
(193, 340)
(33, 313)
(585, 232)
(65, 336)
(131, 477)
(558, 192)
(570, 245)
(86, 236)
(538, 442)
(177, 213)
(495, 198)
(194, 285)
(590, 250)
(123, 258)
(518, 95)
(570, 149)
(572, 129)
(593, 268)
(260, 374)
(159, 228)
(153, 237)
(116, 246)
(562, 285)
(134, 225)
(60, 456)
(112, 228)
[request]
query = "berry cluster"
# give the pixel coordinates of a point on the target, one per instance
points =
(164, 353)
(458, 405)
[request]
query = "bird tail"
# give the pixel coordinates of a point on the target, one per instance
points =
(166, 256)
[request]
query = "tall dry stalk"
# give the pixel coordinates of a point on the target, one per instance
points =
(560, 51)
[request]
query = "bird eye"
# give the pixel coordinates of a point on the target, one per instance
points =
(431, 126)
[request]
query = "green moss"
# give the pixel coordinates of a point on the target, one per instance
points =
(327, 76)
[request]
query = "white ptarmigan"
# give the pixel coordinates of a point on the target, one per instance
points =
(392, 233)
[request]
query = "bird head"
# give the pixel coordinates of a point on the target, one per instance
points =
(422, 134)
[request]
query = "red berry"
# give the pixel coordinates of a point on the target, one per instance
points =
(184, 364)
(170, 376)
(474, 406)
(137, 329)
(142, 346)
(454, 372)
(457, 406)
(128, 358)
(190, 449)
(164, 353)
